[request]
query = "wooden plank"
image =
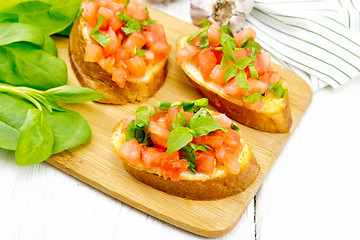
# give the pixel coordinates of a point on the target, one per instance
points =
(96, 164)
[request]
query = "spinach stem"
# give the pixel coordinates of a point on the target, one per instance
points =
(20, 92)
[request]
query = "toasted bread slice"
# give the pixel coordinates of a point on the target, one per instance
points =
(92, 75)
(275, 115)
(196, 186)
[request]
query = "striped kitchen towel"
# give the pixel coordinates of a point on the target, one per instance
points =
(318, 40)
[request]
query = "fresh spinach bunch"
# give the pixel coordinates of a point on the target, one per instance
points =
(35, 126)
(51, 16)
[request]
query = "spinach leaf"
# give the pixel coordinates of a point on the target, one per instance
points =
(9, 136)
(23, 65)
(70, 129)
(36, 139)
(178, 139)
(52, 17)
(22, 32)
(72, 94)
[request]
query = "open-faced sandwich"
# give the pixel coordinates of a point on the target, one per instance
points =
(117, 50)
(185, 150)
(236, 76)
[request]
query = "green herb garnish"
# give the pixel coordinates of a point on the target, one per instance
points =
(278, 88)
(99, 37)
(188, 153)
(202, 33)
(127, 3)
(140, 52)
(138, 128)
(254, 97)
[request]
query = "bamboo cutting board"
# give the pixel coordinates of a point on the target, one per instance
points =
(96, 164)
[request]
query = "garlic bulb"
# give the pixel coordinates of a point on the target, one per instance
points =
(222, 12)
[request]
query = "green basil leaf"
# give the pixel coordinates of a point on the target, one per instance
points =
(278, 88)
(140, 52)
(146, 22)
(165, 105)
(203, 125)
(230, 72)
(177, 104)
(200, 103)
(229, 53)
(198, 147)
(189, 154)
(253, 72)
(124, 17)
(142, 114)
(25, 65)
(36, 139)
(243, 62)
(133, 25)
(223, 63)
(234, 127)
(127, 3)
(51, 16)
(254, 97)
(9, 136)
(227, 37)
(204, 29)
(134, 131)
(226, 30)
(99, 37)
(178, 138)
(241, 80)
(200, 113)
(72, 94)
(179, 120)
(204, 40)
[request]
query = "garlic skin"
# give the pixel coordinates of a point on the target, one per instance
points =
(222, 12)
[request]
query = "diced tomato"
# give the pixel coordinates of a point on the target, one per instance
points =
(152, 156)
(186, 53)
(93, 53)
(149, 56)
(107, 17)
(196, 41)
(137, 66)
(229, 158)
(170, 115)
(135, 39)
(243, 34)
(256, 86)
(217, 75)
(257, 106)
(223, 120)
(136, 10)
(205, 161)
(219, 55)
(241, 53)
(115, 6)
(270, 77)
(120, 76)
(159, 117)
(122, 54)
(115, 23)
(231, 138)
(207, 62)
(263, 62)
(126, 122)
(160, 49)
(90, 13)
(214, 35)
(108, 64)
(158, 29)
(214, 141)
(189, 115)
(114, 43)
(173, 166)
(130, 150)
(158, 135)
(233, 89)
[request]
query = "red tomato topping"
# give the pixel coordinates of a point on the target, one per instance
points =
(257, 106)
(152, 157)
(135, 39)
(205, 161)
(120, 76)
(159, 135)
(207, 62)
(243, 34)
(223, 120)
(137, 66)
(186, 53)
(160, 49)
(263, 62)
(214, 35)
(114, 43)
(241, 53)
(233, 89)
(126, 122)
(217, 75)
(90, 13)
(257, 86)
(136, 10)
(213, 141)
(93, 53)
(170, 115)
(130, 150)
(107, 17)
(172, 166)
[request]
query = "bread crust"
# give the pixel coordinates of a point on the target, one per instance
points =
(274, 117)
(92, 75)
(195, 186)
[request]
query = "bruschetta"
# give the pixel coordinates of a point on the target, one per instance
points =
(236, 76)
(185, 150)
(116, 49)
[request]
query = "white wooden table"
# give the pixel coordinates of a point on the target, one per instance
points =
(312, 191)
